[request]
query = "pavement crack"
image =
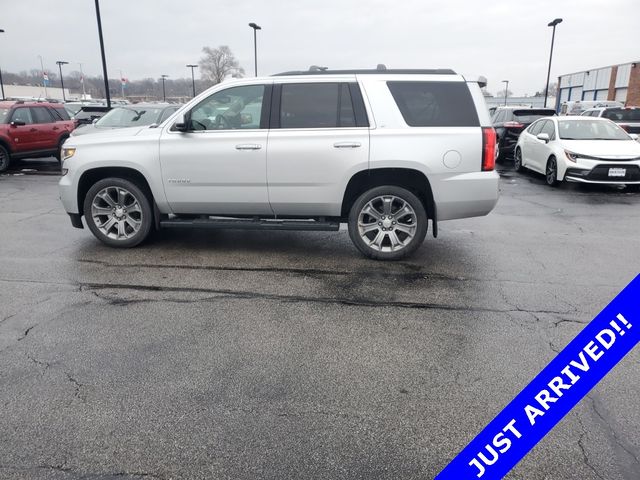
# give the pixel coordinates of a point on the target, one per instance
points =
(620, 444)
(26, 332)
(40, 363)
(585, 456)
(362, 302)
(78, 387)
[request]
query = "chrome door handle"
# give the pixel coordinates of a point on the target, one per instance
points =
(248, 146)
(347, 145)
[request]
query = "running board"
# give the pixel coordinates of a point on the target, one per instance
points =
(250, 224)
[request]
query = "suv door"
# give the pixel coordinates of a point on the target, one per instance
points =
(319, 138)
(219, 165)
(23, 136)
(47, 132)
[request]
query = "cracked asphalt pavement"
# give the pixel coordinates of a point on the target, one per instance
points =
(287, 355)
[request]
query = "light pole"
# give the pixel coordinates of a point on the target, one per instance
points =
(164, 96)
(255, 27)
(553, 37)
(1, 84)
(104, 60)
(193, 78)
(506, 89)
(60, 63)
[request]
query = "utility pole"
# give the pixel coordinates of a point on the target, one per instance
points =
(164, 96)
(45, 80)
(1, 84)
(60, 63)
(122, 84)
(193, 79)
(506, 91)
(553, 37)
(104, 60)
(255, 27)
(84, 93)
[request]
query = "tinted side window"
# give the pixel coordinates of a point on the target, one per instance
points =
(316, 105)
(41, 115)
(435, 104)
(549, 129)
(535, 128)
(22, 114)
(61, 113)
(230, 109)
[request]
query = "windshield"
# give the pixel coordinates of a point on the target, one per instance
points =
(622, 114)
(129, 117)
(4, 113)
(590, 130)
(529, 115)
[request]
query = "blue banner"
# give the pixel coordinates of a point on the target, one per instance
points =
(553, 393)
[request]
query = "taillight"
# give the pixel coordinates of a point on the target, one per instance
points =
(488, 149)
(513, 125)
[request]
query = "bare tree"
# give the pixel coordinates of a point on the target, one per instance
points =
(218, 63)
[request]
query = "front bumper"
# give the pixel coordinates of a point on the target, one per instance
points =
(600, 175)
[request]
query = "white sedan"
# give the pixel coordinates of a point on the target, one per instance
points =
(579, 149)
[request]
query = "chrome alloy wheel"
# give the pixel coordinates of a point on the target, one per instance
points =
(117, 213)
(387, 223)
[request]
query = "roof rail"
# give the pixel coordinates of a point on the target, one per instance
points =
(381, 69)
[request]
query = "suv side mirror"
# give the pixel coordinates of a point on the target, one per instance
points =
(544, 137)
(17, 123)
(181, 124)
(634, 136)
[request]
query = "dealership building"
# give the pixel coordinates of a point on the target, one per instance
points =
(616, 82)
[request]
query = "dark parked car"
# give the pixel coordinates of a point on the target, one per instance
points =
(627, 117)
(509, 122)
(88, 114)
(137, 115)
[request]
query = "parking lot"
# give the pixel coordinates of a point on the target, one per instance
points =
(287, 355)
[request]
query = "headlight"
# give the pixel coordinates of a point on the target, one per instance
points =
(68, 152)
(573, 157)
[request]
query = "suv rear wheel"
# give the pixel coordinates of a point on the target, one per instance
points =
(118, 212)
(387, 223)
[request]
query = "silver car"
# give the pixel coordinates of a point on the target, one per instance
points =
(385, 151)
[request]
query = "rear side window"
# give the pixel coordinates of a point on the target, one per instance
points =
(316, 105)
(435, 104)
(622, 114)
(41, 115)
(60, 113)
(536, 127)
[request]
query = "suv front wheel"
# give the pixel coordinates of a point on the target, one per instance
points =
(387, 223)
(118, 212)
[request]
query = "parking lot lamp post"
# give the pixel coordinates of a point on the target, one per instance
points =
(553, 37)
(193, 78)
(1, 84)
(255, 27)
(104, 59)
(164, 96)
(506, 90)
(60, 63)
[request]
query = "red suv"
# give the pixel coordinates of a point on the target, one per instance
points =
(32, 129)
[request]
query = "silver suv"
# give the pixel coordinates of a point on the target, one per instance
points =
(382, 150)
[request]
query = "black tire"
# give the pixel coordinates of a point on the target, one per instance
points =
(551, 172)
(396, 224)
(633, 188)
(135, 199)
(517, 161)
(5, 159)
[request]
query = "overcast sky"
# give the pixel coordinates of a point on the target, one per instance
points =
(497, 39)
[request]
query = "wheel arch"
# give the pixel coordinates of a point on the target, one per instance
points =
(413, 180)
(91, 176)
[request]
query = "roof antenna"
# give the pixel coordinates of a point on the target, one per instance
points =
(381, 66)
(316, 68)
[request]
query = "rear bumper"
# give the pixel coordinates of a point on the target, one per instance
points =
(465, 195)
